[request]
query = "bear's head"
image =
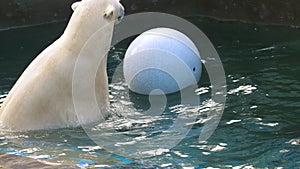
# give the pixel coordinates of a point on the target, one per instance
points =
(90, 16)
(98, 11)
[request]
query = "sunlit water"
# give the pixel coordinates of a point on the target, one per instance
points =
(260, 126)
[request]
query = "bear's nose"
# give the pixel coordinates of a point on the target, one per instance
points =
(121, 14)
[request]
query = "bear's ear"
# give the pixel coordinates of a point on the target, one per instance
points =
(74, 5)
(109, 11)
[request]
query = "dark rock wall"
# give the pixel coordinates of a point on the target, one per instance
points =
(278, 12)
(14, 13)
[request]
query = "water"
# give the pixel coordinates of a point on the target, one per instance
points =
(260, 126)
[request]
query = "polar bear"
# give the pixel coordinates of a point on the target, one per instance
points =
(42, 96)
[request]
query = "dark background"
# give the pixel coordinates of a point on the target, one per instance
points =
(15, 13)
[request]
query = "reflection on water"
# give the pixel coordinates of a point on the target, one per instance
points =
(259, 127)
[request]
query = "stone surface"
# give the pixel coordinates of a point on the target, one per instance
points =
(11, 161)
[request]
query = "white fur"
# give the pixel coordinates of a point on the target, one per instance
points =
(42, 96)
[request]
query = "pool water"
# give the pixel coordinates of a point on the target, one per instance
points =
(260, 126)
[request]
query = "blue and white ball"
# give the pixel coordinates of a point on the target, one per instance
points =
(161, 59)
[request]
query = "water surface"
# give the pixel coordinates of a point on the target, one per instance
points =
(260, 126)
